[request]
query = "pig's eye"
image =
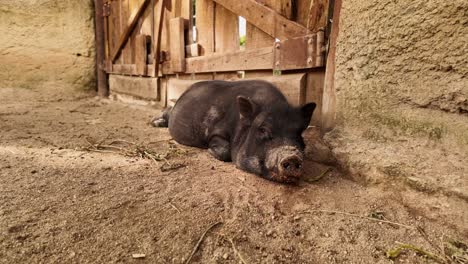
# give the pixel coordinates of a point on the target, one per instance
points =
(264, 132)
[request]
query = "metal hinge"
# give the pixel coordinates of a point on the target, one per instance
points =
(300, 53)
(106, 9)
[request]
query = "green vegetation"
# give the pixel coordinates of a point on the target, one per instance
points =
(242, 41)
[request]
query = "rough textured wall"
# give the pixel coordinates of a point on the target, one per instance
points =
(46, 42)
(402, 89)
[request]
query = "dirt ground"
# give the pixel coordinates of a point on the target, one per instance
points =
(62, 202)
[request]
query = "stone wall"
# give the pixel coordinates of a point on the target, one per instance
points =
(46, 42)
(401, 90)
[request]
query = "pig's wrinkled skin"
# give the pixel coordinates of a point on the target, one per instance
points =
(248, 122)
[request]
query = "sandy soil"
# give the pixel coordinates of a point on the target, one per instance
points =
(61, 203)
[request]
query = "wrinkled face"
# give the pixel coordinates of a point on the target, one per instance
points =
(272, 144)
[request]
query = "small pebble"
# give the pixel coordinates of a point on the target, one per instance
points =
(138, 256)
(225, 256)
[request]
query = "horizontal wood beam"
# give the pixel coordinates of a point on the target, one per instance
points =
(131, 69)
(257, 59)
(131, 23)
(266, 19)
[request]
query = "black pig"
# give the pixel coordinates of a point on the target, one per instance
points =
(248, 122)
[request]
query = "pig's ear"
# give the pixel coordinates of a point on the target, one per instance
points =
(307, 110)
(246, 107)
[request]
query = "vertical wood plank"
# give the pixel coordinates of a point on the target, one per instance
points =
(255, 37)
(313, 93)
(205, 25)
(146, 22)
(177, 48)
(186, 12)
(226, 30)
(133, 5)
(115, 28)
(102, 87)
(141, 54)
(329, 98)
(168, 13)
(312, 14)
(125, 15)
(158, 25)
(107, 37)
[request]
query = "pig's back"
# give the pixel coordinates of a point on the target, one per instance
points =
(186, 123)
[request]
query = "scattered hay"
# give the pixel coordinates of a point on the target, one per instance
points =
(396, 252)
(131, 149)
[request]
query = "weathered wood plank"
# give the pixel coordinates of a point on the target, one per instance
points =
(146, 18)
(141, 54)
(133, 5)
(101, 75)
(158, 26)
(314, 93)
(146, 88)
(205, 26)
(163, 91)
(129, 28)
(265, 18)
(192, 50)
(300, 53)
(257, 59)
(130, 69)
(175, 88)
(125, 15)
(329, 99)
(312, 14)
(168, 13)
(107, 37)
(226, 30)
(114, 27)
(256, 38)
(186, 13)
(291, 85)
(177, 48)
(124, 69)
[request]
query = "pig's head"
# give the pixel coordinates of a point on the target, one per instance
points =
(270, 139)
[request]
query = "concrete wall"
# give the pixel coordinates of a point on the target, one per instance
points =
(401, 90)
(46, 42)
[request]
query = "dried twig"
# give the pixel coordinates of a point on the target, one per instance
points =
(173, 206)
(200, 241)
(237, 252)
(360, 216)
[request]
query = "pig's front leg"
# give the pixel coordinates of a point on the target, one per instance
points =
(220, 148)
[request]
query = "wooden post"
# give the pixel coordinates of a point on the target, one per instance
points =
(329, 99)
(102, 87)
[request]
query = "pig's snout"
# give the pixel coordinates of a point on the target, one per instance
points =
(291, 167)
(285, 163)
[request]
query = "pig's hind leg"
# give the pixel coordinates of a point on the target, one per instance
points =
(163, 120)
(220, 148)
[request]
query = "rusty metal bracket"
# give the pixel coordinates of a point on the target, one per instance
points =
(299, 53)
